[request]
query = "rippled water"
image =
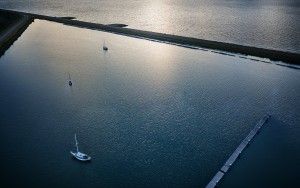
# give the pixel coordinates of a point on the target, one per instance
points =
(271, 24)
(150, 114)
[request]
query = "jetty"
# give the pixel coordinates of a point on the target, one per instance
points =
(237, 152)
(190, 42)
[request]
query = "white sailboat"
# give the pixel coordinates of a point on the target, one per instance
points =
(78, 155)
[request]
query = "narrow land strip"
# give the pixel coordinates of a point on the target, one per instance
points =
(275, 55)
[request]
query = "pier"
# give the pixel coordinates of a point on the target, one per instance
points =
(230, 161)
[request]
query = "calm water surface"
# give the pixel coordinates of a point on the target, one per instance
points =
(150, 114)
(263, 23)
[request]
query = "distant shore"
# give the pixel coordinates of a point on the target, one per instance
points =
(275, 55)
(12, 26)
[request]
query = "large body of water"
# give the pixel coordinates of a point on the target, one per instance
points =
(150, 114)
(273, 24)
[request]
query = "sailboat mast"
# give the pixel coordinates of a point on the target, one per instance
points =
(76, 143)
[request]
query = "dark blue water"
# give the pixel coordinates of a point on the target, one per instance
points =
(149, 114)
(272, 24)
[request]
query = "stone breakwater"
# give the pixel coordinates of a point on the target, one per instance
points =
(275, 55)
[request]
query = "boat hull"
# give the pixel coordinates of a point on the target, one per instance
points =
(80, 156)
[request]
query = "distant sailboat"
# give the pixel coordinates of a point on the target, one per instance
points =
(78, 155)
(104, 46)
(70, 81)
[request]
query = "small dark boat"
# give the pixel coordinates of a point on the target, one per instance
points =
(104, 46)
(70, 81)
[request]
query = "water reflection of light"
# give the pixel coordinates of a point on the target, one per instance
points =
(161, 67)
(157, 12)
